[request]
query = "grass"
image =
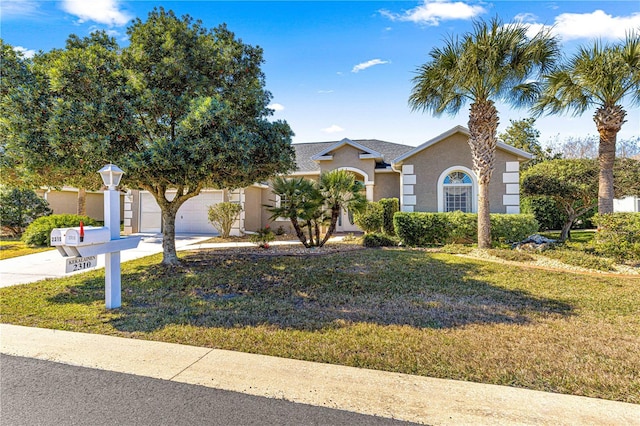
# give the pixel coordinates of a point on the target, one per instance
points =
(13, 247)
(410, 311)
(577, 235)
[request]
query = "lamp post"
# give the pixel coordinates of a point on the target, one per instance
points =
(111, 175)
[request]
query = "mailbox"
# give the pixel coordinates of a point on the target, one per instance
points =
(92, 235)
(57, 236)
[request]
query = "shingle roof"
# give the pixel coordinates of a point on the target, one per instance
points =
(304, 151)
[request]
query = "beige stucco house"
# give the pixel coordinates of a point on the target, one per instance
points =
(436, 176)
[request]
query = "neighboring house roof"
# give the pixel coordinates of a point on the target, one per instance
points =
(459, 129)
(307, 154)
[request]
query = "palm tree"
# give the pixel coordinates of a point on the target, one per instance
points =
(310, 204)
(494, 62)
(300, 202)
(341, 191)
(600, 75)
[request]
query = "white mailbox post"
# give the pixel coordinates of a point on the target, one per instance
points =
(111, 175)
(81, 246)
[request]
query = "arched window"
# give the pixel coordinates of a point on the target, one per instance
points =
(457, 190)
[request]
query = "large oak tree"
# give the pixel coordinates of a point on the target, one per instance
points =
(201, 111)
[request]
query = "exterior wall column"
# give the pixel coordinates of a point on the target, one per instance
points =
(511, 179)
(408, 199)
(369, 190)
(128, 213)
(237, 196)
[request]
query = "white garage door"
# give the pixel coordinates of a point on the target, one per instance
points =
(150, 213)
(192, 217)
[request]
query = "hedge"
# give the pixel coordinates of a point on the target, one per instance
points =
(437, 229)
(38, 233)
(390, 206)
(618, 235)
(369, 219)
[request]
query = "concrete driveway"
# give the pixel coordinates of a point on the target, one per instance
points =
(50, 264)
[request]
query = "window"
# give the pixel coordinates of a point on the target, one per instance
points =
(458, 192)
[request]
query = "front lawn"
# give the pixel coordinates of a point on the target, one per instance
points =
(410, 311)
(13, 247)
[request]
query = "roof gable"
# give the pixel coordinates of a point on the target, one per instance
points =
(372, 148)
(367, 153)
(460, 129)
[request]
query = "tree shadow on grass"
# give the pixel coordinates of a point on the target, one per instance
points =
(310, 293)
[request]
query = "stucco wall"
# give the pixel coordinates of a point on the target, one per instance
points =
(66, 202)
(253, 208)
(387, 185)
(431, 162)
(348, 156)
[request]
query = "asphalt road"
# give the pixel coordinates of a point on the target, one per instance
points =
(35, 392)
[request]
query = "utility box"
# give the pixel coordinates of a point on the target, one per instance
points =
(92, 235)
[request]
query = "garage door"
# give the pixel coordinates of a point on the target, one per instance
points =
(150, 214)
(192, 218)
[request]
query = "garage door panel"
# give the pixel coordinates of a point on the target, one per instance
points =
(193, 215)
(150, 214)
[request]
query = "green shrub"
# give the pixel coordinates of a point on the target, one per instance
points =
(506, 228)
(434, 229)
(546, 211)
(618, 235)
(390, 206)
(379, 240)
(369, 219)
(222, 216)
(20, 207)
(38, 233)
(421, 229)
(464, 228)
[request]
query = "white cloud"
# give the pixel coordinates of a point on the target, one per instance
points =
(368, 64)
(597, 24)
(276, 107)
(322, 92)
(334, 128)
(525, 17)
(431, 12)
(27, 53)
(11, 8)
(100, 11)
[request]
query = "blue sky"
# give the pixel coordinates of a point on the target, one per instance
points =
(341, 69)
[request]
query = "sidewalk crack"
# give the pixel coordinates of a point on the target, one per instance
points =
(191, 365)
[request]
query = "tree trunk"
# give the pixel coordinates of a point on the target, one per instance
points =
(82, 202)
(335, 212)
(483, 125)
(609, 120)
(299, 233)
(484, 220)
(169, 253)
(566, 228)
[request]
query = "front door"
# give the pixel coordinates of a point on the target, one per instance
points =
(346, 223)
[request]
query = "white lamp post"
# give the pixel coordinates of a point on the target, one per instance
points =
(111, 175)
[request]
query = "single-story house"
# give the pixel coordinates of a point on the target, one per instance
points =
(436, 176)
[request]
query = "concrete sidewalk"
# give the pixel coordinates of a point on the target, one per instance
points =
(400, 396)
